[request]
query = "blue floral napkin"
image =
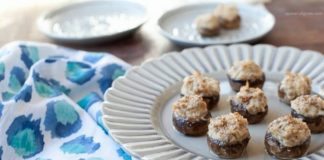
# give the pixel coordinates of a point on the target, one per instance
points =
(51, 100)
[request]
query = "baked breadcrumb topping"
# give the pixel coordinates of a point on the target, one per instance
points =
(230, 128)
(190, 107)
(245, 70)
(295, 85)
(198, 84)
(308, 105)
(289, 131)
(253, 99)
(227, 12)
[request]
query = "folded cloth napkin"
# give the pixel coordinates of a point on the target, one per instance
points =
(51, 103)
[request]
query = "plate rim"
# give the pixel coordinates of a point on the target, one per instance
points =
(190, 43)
(133, 69)
(42, 22)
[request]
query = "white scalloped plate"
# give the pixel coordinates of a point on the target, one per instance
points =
(137, 109)
(93, 21)
(178, 24)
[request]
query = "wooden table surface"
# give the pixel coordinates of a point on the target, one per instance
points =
(299, 23)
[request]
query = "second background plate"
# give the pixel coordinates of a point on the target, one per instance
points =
(178, 25)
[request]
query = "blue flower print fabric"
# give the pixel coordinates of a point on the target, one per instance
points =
(50, 103)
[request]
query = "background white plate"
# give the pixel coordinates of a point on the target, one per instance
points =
(93, 21)
(137, 109)
(178, 24)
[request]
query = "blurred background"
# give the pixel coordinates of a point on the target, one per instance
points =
(299, 23)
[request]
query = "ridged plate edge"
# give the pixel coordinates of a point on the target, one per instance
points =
(130, 102)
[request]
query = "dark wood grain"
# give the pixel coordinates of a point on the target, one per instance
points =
(300, 23)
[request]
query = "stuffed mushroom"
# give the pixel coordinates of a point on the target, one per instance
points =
(191, 116)
(287, 138)
(243, 72)
(251, 103)
(309, 108)
(205, 86)
(292, 86)
(228, 135)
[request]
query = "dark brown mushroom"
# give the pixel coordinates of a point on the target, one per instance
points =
(224, 150)
(191, 127)
(237, 84)
(277, 150)
(241, 109)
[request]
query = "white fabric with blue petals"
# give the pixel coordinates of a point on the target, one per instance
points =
(51, 100)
